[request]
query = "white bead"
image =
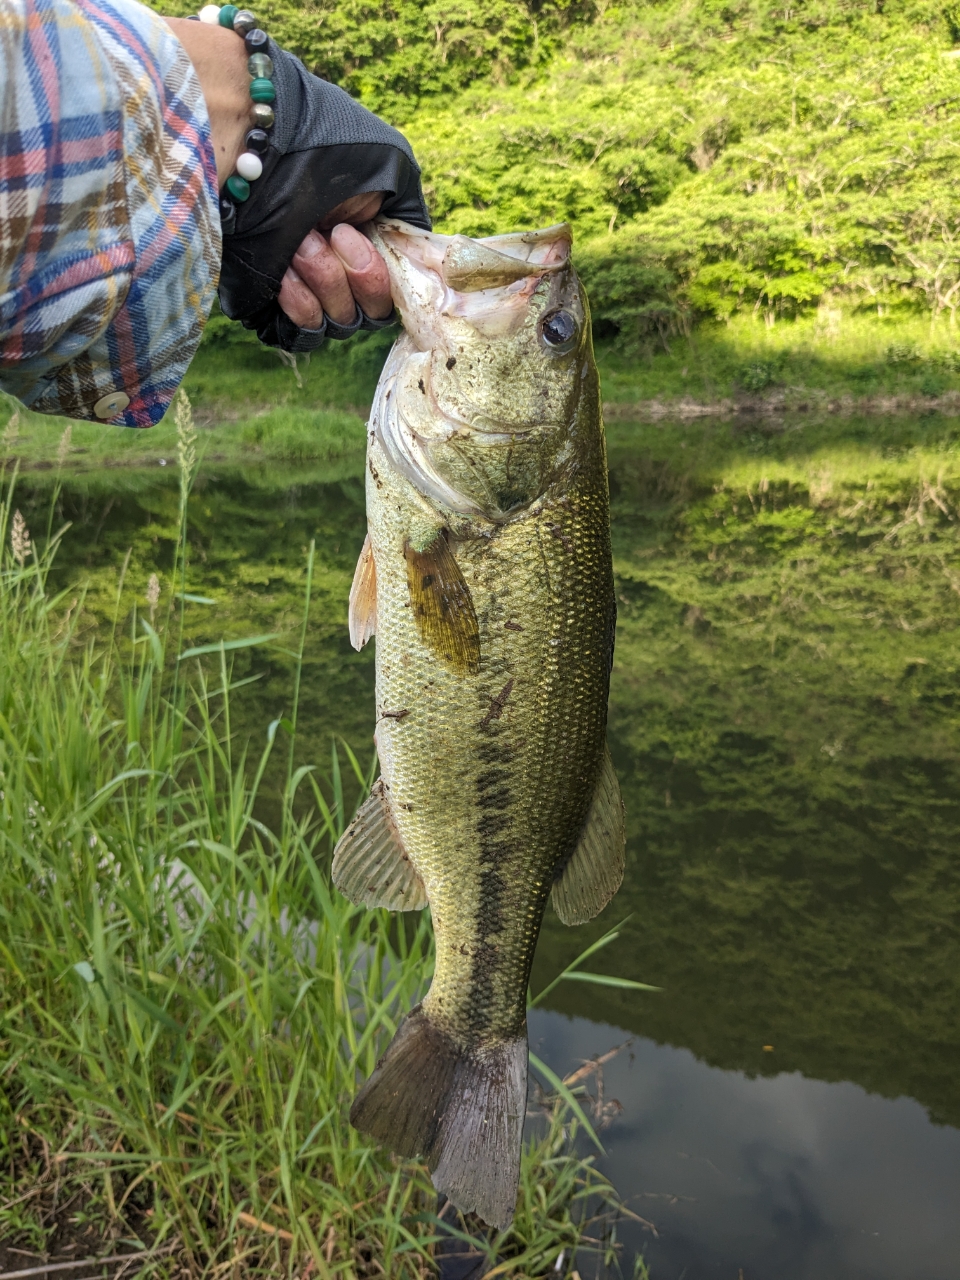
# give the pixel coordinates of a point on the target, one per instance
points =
(249, 166)
(210, 13)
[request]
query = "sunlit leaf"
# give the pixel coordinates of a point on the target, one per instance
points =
(606, 980)
(223, 645)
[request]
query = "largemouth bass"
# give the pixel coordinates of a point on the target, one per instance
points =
(486, 576)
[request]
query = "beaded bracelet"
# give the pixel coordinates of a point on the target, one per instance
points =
(262, 94)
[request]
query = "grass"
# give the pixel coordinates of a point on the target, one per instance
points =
(185, 1004)
(254, 411)
(293, 434)
(829, 354)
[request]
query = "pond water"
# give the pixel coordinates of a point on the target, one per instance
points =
(786, 724)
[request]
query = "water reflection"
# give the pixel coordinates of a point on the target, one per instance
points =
(784, 722)
(784, 1177)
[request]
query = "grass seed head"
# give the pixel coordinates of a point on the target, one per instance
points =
(11, 431)
(186, 434)
(20, 539)
(63, 448)
(153, 594)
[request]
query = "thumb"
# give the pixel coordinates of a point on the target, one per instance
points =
(366, 271)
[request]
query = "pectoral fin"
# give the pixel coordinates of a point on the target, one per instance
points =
(363, 598)
(595, 869)
(442, 605)
(370, 865)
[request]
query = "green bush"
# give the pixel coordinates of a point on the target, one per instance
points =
(757, 376)
(723, 159)
(391, 56)
(712, 158)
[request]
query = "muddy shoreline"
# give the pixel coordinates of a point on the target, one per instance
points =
(780, 403)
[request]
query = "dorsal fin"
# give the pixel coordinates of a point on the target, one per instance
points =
(370, 864)
(594, 871)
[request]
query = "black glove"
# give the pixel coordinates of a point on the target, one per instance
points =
(324, 148)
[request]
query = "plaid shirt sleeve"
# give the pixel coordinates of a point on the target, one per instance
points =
(109, 223)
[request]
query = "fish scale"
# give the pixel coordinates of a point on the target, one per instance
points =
(547, 739)
(487, 579)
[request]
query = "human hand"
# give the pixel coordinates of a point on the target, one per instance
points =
(295, 268)
(334, 272)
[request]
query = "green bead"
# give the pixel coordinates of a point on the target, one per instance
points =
(262, 90)
(263, 116)
(238, 187)
(260, 66)
(227, 14)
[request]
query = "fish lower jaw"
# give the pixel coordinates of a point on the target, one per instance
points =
(447, 423)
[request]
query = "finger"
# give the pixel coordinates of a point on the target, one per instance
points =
(322, 271)
(365, 270)
(357, 209)
(297, 301)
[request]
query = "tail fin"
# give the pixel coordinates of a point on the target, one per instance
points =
(461, 1109)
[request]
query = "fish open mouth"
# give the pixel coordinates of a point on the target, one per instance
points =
(452, 395)
(487, 282)
(492, 262)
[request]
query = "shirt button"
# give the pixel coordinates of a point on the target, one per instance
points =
(110, 405)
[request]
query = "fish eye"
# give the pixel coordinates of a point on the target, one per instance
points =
(559, 330)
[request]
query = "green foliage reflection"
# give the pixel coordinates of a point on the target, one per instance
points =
(784, 719)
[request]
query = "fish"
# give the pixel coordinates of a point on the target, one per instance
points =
(486, 577)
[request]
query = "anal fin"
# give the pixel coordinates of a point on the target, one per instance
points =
(594, 871)
(370, 865)
(363, 598)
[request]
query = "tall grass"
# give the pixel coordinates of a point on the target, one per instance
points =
(186, 1005)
